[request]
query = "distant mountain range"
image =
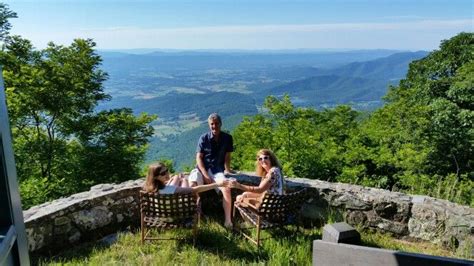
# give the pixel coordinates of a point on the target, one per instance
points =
(182, 88)
(236, 60)
(354, 82)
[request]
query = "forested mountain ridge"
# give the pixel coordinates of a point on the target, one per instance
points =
(330, 89)
(355, 82)
(193, 60)
(394, 66)
(420, 142)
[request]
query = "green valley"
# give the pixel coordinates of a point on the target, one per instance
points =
(182, 88)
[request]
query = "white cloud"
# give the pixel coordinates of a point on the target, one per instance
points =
(422, 34)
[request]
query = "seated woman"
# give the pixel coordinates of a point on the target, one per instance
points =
(158, 180)
(269, 169)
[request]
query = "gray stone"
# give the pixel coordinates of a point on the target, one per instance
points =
(75, 237)
(340, 233)
(92, 219)
(109, 239)
(427, 222)
(356, 218)
(103, 187)
(119, 218)
(61, 221)
(62, 230)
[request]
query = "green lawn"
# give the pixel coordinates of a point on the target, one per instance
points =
(217, 246)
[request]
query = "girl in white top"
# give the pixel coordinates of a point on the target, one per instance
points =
(269, 169)
(158, 180)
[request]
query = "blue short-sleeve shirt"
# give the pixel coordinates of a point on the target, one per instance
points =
(214, 152)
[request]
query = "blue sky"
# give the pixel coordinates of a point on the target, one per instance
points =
(244, 24)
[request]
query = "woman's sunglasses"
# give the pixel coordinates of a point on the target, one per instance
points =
(163, 172)
(263, 158)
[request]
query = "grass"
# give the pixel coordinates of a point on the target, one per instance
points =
(214, 246)
(217, 246)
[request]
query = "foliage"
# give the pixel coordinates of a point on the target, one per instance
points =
(422, 139)
(184, 158)
(61, 145)
(307, 142)
(113, 139)
(5, 25)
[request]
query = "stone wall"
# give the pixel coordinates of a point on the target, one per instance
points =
(108, 208)
(105, 209)
(410, 216)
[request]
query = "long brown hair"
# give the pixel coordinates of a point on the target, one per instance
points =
(155, 170)
(273, 160)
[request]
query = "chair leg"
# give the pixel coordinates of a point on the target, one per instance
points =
(198, 214)
(258, 232)
(297, 228)
(194, 234)
(142, 225)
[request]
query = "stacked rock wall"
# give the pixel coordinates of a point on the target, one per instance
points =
(105, 209)
(108, 208)
(412, 216)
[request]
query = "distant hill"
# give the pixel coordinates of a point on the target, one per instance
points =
(330, 89)
(167, 61)
(394, 66)
(181, 148)
(172, 105)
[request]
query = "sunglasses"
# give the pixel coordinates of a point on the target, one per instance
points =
(263, 158)
(163, 172)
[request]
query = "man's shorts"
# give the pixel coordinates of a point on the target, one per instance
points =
(196, 176)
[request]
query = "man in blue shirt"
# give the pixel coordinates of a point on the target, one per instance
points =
(213, 154)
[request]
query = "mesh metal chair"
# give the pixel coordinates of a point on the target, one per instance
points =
(271, 212)
(167, 211)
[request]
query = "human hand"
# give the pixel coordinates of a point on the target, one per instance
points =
(234, 184)
(207, 180)
(240, 198)
(223, 183)
(229, 172)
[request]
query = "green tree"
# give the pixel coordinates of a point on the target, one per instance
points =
(114, 143)
(420, 142)
(61, 144)
(441, 85)
(5, 15)
(308, 143)
(423, 137)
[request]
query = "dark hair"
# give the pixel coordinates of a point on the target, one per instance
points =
(152, 183)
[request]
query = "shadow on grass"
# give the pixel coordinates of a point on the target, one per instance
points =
(227, 244)
(212, 239)
(79, 252)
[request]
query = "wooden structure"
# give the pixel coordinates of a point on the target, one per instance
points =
(167, 211)
(273, 211)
